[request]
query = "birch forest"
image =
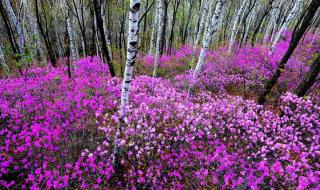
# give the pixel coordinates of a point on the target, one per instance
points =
(160, 94)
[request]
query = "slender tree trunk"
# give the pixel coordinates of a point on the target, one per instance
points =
(34, 32)
(227, 23)
(219, 33)
(17, 25)
(159, 36)
(106, 32)
(124, 28)
(3, 61)
(296, 36)
(182, 21)
(235, 25)
(268, 30)
(165, 4)
(246, 24)
(258, 26)
(9, 30)
(212, 28)
(276, 17)
(96, 38)
(185, 33)
(205, 24)
(72, 46)
(174, 17)
(309, 79)
(46, 37)
(92, 43)
(81, 10)
(73, 50)
(206, 10)
(284, 27)
(246, 29)
(122, 43)
(154, 28)
(106, 54)
(131, 58)
(168, 29)
(78, 12)
(198, 19)
(145, 26)
(10, 33)
(68, 57)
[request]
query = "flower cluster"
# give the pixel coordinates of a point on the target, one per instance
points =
(51, 120)
(248, 68)
(57, 132)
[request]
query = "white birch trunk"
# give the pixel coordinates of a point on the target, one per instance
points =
(38, 39)
(154, 28)
(275, 26)
(132, 50)
(25, 22)
(212, 28)
(83, 46)
(206, 14)
(75, 34)
(252, 16)
(235, 25)
(159, 34)
(168, 28)
(73, 48)
(81, 18)
(284, 27)
(17, 25)
(96, 38)
(205, 27)
(35, 35)
(198, 20)
(267, 33)
(71, 33)
(188, 27)
(3, 61)
(217, 34)
(208, 22)
(1, 55)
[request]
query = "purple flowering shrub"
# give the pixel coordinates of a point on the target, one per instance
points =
(245, 71)
(170, 65)
(218, 142)
(59, 133)
(51, 119)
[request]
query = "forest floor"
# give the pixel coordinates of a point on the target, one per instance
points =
(58, 132)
